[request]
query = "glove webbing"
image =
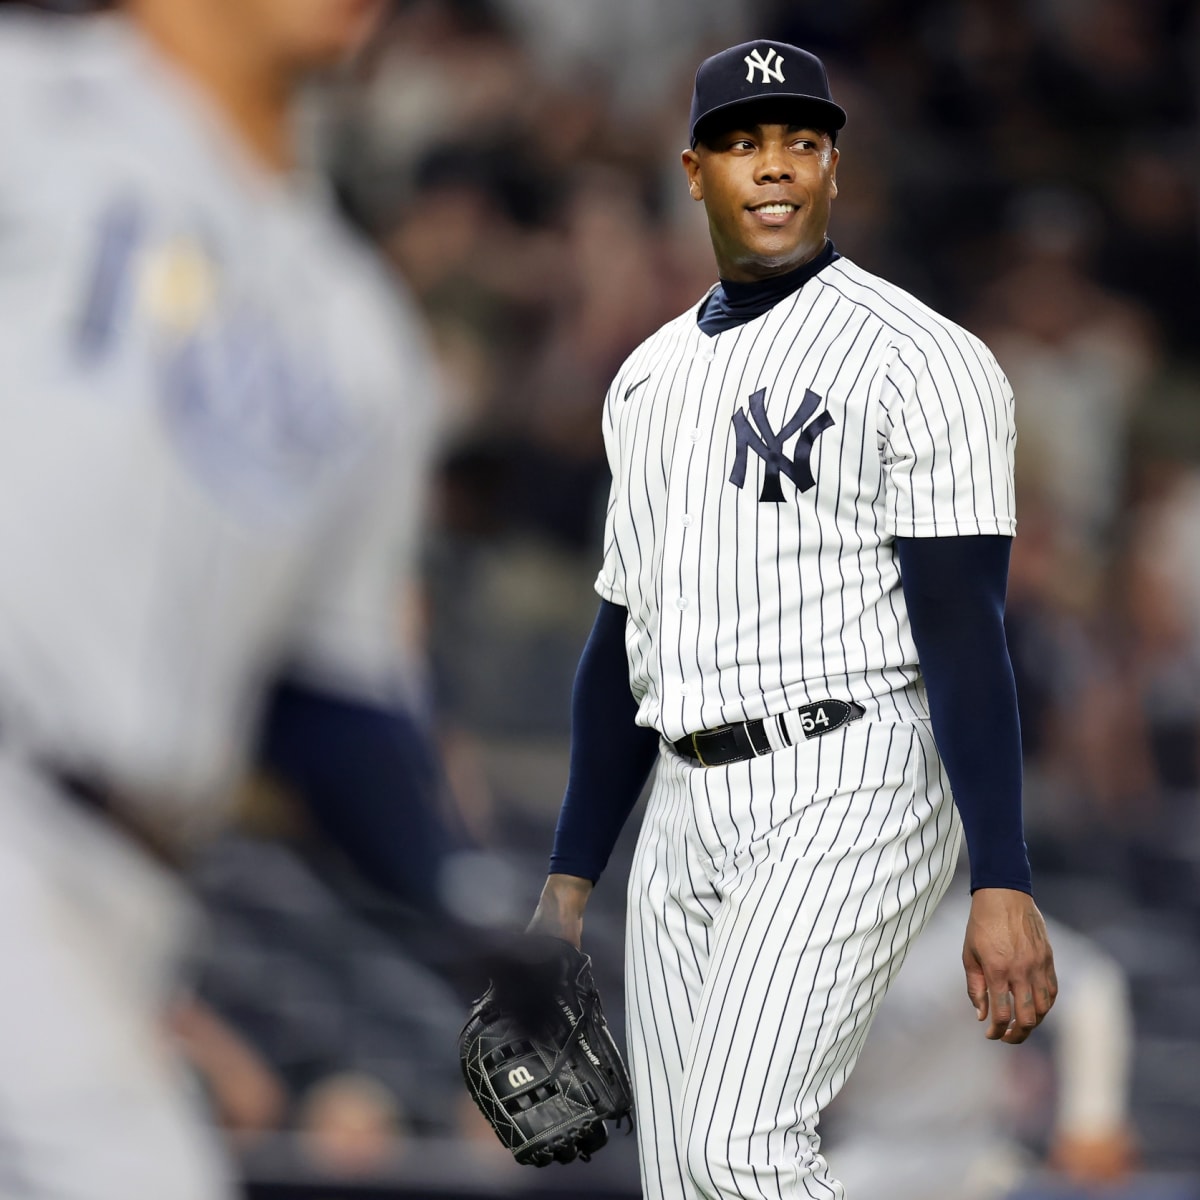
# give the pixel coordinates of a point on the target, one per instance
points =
(560, 1059)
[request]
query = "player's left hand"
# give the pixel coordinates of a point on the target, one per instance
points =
(1009, 964)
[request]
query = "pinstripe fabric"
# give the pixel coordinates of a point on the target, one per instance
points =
(760, 479)
(770, 904)
(741, 609)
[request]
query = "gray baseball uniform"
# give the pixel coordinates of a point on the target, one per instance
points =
(214, 419)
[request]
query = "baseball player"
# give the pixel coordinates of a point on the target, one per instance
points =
(801, 635)
(214, 420)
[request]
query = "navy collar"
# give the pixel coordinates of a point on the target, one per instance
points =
(731, 304)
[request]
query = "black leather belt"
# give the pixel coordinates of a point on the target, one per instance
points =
(98, 800)
(753, 739)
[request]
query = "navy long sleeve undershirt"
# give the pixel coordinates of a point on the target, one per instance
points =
(611, 757)
(954, 590)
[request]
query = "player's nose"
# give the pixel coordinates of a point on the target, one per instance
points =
(772, 164)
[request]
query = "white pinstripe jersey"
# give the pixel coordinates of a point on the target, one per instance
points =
(741, 607)
(214, 417)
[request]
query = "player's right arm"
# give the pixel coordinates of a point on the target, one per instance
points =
(559, 911)
(611, 755)
(611, 759)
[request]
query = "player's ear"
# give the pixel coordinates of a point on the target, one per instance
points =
(833, 162)
(691, 164)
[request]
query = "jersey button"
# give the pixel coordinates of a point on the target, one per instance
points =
(681, 603)
(686, 519)
(694, 435)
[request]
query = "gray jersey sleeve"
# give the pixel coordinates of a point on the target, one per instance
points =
(357, 629)
(212, 409)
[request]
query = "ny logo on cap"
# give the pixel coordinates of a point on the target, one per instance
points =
(755, 62)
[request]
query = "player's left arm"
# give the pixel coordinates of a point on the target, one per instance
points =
(948, 427)
(954, 590)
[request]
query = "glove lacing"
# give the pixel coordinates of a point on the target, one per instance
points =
(560, 1059)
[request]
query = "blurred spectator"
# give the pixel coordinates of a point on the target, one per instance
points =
(350, 1126)
(1077, 356)
(637, 49)
(929, 1114)
(248, 1097)
(325, 981)
(1151, 250)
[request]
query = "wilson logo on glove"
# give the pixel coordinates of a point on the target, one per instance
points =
(548, 1092)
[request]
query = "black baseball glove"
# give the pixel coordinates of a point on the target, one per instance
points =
(545, 1070)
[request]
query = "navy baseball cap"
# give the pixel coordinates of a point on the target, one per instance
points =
(764, 70)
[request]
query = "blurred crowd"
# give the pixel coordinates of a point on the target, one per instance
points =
(1029, 167)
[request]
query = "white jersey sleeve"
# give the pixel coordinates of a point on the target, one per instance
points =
(610, 583)
(633, 462)
(948, 436)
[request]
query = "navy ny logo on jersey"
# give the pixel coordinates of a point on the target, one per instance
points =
(768, 444)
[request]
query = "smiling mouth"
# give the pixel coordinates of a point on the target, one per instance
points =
(774, 209)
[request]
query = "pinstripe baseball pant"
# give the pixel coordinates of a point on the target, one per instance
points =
(770, 904)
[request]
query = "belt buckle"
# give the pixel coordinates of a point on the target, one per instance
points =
(696, 749)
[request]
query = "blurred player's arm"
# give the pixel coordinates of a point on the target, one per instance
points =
(611, 759)
(369, 775)
(342, 727)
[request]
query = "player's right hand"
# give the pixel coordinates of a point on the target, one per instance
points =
(1009, 964)
(560, 910)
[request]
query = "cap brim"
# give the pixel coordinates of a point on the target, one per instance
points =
(827, 116)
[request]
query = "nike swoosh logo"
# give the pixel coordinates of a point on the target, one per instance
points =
(633, 387)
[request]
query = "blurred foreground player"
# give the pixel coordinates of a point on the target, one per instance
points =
(214, 414)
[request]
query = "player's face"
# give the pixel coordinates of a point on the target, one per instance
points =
(767, 189)
(309, 33)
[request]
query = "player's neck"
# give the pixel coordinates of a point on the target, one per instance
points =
(252, 94)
